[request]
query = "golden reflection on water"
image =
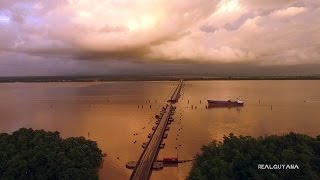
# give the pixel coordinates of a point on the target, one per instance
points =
(108, 113)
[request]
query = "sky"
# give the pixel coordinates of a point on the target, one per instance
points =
(126, 37)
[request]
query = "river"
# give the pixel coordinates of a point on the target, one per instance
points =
(111, 113)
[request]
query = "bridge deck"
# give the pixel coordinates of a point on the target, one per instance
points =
(176, 94)
(149, 155)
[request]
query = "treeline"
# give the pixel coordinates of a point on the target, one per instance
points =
(239, 157)
(147, 78)
(37, 154)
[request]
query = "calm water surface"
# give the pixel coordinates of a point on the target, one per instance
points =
(111, 112)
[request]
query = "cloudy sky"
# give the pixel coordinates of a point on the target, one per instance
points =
(66, 37)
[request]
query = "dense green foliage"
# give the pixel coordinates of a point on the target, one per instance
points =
(37, 154)
(238, 158)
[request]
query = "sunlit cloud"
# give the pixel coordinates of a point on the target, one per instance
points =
(4, 19)
(289, 12)
(228, 6)
(265, 32)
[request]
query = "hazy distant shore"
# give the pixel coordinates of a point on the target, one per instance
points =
(146, 78)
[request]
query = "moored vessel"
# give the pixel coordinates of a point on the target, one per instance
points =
(229, 103)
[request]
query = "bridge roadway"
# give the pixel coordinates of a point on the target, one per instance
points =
(176, 94)
(143, 168)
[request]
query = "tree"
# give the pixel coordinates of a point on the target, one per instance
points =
(238, 158)
(37, 154)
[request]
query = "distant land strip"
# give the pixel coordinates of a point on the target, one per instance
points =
(146, 78)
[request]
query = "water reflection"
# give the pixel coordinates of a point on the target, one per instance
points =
(236, 108)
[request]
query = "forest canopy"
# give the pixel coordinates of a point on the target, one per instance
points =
(238, 157)
(38, 154)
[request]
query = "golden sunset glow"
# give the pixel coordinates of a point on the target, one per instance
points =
(228, 6)
(143, 23)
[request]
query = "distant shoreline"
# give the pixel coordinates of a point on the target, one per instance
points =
(160, 78)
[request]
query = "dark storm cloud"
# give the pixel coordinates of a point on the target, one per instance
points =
(208, 28)
(244, 17)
